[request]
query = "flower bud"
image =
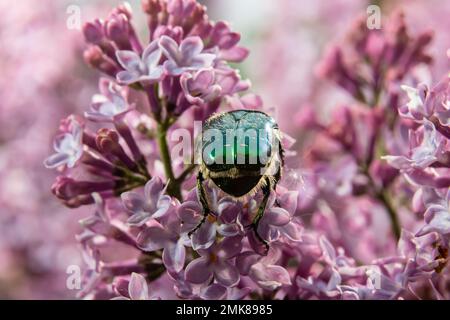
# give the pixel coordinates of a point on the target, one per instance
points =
(95, 57)
(117, 29)
(93, 32)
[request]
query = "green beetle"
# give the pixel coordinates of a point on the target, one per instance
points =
(241, 154)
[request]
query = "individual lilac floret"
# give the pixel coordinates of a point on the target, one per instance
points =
(219, 292)
(200, 87)
(187, 56)
(213, 291)
(415, 108)
(100, 223)
(168, 238)
(328, 283)
(269, 277)
(214, 263)
(92, 275)
(263, 270)
(437, 217)
(145, 69)
(137, 288)
(68, 147)
(226, 40)
(277, 220)
(224, 223)
(208, 84)
(152, 205)
(230, 80)
(428, 103)
(423, 154)
(110, 104)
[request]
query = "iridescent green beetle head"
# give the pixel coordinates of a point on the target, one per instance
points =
(238, 147)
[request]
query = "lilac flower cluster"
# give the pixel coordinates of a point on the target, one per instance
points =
(339, 227)
(424, 164)
(379, 246)
(117, 156)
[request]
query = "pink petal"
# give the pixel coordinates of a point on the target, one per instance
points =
(288, 201)
(229, 230)
(203, 60)
(138, 288)
(174, 255)
(204, 78)
(292, 231)
(230, 247)
(213, 292)
(226, 274)
(163, 207)
(189, 212)
(228, 210)
(129, 60)
(191, 46)
(125, 77)
(97, 225)
(133, 201)
(138, 219)
(277, 217)
(170, 48)
(235, 54)
(172, 68)
(155, 74)
(245, 261)
(328, 251)
(270, 277)
(406, 246)
(97, 117)
(56, 160)
(198, 271)
(237, 293)
(153, 238)
(152, 54)
(153, 188)
(204, 237)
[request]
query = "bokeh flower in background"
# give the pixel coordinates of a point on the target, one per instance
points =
(362, 209)
(44, 79)
(36, 89)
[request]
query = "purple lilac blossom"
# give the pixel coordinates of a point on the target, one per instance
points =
(344, 232)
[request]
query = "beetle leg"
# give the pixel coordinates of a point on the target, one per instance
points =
(281, 150)
(203, 201)
(277, 176)
(262, 208)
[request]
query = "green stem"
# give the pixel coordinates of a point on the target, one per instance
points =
(173, 188)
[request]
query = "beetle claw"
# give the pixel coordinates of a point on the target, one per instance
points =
(254, 226)
(190, 233)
